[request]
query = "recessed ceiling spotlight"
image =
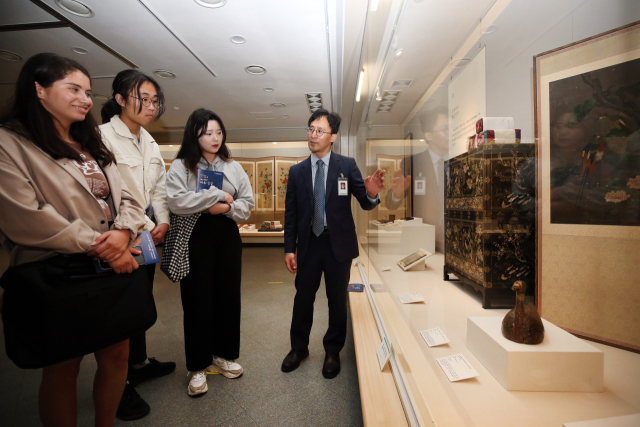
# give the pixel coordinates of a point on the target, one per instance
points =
(458, 63)
(100, 96)
(398, 53)
(170, 146)
(237, 39)
(374, 5)
(211, 3)
(164, 74)
(176, 108)
(284, 116)
(488, 29)
(274, 143)
(268, 89)
(422, 140)
(256, 70)
(277, 105)
(79, 50)
(76, 8)
(10, 56)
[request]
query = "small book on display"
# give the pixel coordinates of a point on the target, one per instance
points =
(143, 243)
(208, 179)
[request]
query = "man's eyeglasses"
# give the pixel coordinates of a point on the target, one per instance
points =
(318, 131)
(148, 101)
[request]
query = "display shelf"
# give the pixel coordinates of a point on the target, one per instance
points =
(480, 401)
(254, 236)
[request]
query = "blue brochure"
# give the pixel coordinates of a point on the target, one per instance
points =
(208, 179)
(144, 243)
(356, 287)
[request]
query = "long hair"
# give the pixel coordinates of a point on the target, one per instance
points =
(190, 151)
(124, 83)
(27, 117)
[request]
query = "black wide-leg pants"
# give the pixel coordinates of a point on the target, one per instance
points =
(211, 292)
(138, 342)
(320, 259)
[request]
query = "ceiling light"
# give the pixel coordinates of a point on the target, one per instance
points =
(268, 89)
(76, 8)
(256, 70)
(10, 56)
(398, 53)
(422, 140)
(378, 96)
(488, 29)
(277, 105)
(79, 50)
(211, 3)
(100, 96)
(164, 74)
(274, 142)
(170, 146)
(176, 108)
(374, 5)
(458, 63)
(360, 79)
(237, 39)
(284, 116)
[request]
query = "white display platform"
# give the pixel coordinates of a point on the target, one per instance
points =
(624, 421)
(561, 362)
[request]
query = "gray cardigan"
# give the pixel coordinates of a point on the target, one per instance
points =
(183, 199)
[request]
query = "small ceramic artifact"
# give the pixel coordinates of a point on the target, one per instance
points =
(523, 323)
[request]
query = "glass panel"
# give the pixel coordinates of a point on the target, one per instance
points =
(425, 86)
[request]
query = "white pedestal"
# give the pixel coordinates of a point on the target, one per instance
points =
(561, 362)
(623, 421)
(416, 236)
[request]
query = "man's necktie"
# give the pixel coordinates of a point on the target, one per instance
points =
(318, 200)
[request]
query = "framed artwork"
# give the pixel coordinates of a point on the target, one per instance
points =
(283, 164)
(249, 167)
(587, 121)
(264, 183)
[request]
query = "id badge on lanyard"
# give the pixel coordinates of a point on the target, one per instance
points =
(343, 186)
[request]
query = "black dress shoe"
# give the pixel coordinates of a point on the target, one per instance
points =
(331, 367)
(132, 406)
(293, 359)
(154, 369)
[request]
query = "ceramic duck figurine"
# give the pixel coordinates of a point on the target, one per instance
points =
(523, 323)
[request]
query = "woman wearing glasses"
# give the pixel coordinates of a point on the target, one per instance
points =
(211, 291)
(136, 101)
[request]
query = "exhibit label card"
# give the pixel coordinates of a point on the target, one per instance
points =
(457, 367)
(434, 337)
(410, 298)
(383, 354)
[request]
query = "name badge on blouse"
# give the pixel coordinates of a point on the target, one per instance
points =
(343, 186)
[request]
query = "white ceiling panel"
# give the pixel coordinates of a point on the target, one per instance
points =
(55, 40)
(428, 32)
(22, 12)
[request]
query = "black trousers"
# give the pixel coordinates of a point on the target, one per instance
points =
(320, 259)
(138, 342)
(211, 292)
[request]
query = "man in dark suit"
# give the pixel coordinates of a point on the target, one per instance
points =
(319, 224)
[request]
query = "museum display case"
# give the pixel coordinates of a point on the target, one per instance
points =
(543, 192)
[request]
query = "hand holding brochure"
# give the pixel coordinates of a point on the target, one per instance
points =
(143, 243)
(208, 179)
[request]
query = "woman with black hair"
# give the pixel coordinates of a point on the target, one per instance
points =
(136, 101)
(62, 204)
(211, 291)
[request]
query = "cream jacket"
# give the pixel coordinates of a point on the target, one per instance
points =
(141, 166)
(46, 206)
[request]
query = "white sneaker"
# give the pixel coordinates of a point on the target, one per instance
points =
(198, 383)
(228, 368)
